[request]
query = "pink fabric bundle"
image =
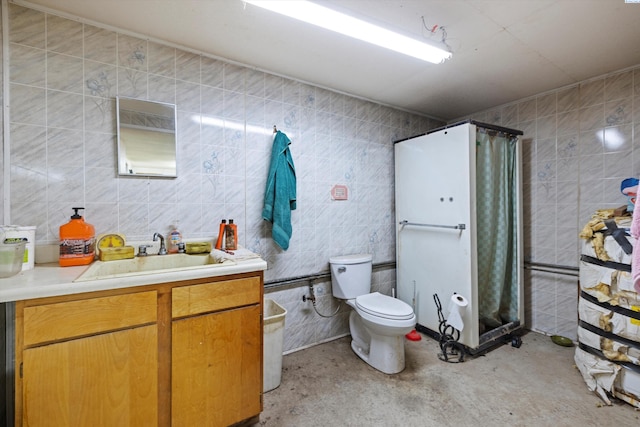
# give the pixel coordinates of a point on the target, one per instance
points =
(635, 261)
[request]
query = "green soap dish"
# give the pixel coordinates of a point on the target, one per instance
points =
(560, 340)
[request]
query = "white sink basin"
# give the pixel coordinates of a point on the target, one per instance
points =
(151, 264)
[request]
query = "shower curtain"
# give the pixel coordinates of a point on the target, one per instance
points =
(497, 227)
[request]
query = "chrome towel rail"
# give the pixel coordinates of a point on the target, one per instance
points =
(418, 224)
(565, 270)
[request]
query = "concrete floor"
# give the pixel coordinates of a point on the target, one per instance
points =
(534, 385)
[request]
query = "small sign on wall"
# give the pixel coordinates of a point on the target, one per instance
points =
(339, 192)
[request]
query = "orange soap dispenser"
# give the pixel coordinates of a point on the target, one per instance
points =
(77, 241)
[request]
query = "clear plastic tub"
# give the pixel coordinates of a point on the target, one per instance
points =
(26, 233)
(11, 255)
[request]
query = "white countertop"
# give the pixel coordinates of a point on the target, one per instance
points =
(46, 280)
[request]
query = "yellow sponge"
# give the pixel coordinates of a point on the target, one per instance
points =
(111, 254)
(197, 247)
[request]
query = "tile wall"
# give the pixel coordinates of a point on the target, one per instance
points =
(64, 75)
(579, 143)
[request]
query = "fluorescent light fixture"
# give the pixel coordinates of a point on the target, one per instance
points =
(611, 138)
(349, 26)
(229, 124)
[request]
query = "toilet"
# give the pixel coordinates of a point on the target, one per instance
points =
(378, 323)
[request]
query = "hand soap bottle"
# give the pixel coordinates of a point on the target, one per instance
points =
(223, 227)
(77, 241)
(231, 236)
(175, 238)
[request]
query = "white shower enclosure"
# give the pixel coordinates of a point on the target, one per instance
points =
(437, 230)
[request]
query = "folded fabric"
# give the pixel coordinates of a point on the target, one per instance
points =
(629, 186)
(237, 255)
(635, 261)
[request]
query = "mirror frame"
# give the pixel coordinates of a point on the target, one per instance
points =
(164, 120)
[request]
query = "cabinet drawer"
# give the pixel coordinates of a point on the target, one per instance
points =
(51, 322)
(208, 297)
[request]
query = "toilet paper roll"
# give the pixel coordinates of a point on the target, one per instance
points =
(457, 306)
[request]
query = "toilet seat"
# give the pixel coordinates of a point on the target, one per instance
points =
(383, 306)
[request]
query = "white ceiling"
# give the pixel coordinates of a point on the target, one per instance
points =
(503, 50)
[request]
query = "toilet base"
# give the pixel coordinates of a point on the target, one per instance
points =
(391, 362)
(384, 353)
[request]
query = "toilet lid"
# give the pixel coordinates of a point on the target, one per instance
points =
(351, 259)
(384, 306)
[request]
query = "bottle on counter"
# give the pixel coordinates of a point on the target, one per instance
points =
(175, 238)
(221, 233)
(77, 241)
(231, 236)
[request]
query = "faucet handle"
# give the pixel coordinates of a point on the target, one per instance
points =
(142, 250)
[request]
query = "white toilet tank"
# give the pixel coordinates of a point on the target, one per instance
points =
(350, 275)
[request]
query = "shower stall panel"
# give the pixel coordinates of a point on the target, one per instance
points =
(433, 191)
(437, 232)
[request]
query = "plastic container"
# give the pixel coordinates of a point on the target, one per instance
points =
(231, 236)
(22, 233)
(223, 226)
(273, 341)
(11, 256)
(77, 241)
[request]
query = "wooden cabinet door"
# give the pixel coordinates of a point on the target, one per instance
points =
(109, 380)
(216, 375)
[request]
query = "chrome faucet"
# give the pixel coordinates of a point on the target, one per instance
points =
(163, 249)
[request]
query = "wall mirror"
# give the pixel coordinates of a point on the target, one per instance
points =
(147, 141)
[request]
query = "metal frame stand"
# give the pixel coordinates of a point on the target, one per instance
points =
(450, 347)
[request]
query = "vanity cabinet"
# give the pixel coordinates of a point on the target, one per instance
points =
(90, 362)
(184, 353)
(217, 353)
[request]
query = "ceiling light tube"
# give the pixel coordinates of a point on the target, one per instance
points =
(349, 26)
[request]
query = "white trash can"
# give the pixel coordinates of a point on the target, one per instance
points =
(273, 340)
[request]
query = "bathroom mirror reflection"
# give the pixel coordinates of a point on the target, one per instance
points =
(147, 142)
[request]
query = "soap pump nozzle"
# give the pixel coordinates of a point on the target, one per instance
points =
(76, 215)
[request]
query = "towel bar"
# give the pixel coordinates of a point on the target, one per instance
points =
(455, 227)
